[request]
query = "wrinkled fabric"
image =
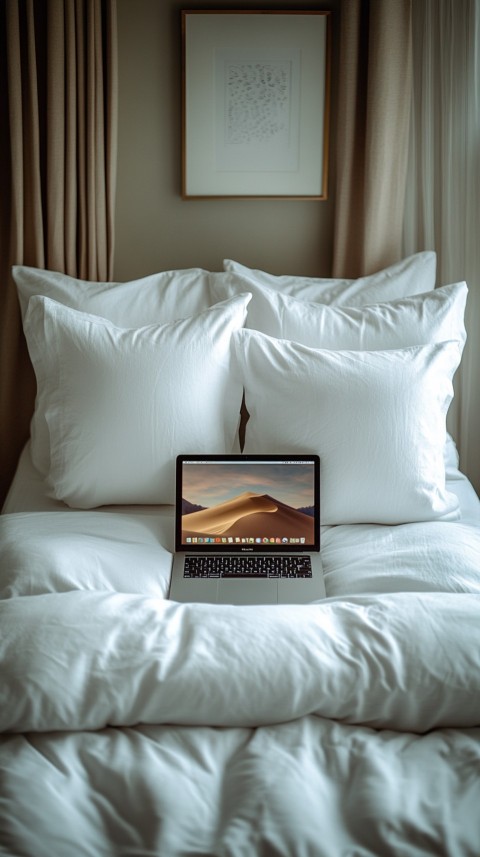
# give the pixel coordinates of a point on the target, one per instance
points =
(86, 660)
(308, 788)
(153, 728)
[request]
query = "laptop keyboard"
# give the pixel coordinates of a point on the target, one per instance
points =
(219, 566)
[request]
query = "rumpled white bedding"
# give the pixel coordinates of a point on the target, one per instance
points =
(137, 726)
(86, 660)
(367, 742)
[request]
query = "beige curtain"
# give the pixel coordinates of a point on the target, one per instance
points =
(58, 115)
(442, 209)
(372, 134)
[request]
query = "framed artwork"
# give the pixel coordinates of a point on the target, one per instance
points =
(256, 88)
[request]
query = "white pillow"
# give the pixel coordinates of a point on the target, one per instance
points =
(120, 404)
(411, 276)
(159, 298)
(431, 317)
(376, 418)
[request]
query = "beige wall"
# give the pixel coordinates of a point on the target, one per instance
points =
(155, 228)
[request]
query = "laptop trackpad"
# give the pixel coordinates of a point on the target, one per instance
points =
(247, 591)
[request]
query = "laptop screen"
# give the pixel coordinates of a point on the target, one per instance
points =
(247, 503)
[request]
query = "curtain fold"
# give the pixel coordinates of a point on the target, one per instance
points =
(372, 134)
(442, 210)
(58, 119)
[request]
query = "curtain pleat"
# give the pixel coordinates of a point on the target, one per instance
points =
(71, 140)
(372, 134)
(58, 123)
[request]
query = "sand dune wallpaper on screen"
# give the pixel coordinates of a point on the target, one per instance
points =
(220, 505)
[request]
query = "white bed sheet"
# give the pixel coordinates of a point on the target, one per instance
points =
(118, 548)
(28, 492)
(128, 548)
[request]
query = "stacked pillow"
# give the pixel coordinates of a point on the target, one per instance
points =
(376, 418)
(123, 385)
(411, 276)
(360, 371)
(430, 317)
(365, 387)
(157, 298)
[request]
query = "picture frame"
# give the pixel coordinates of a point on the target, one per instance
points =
(255, 104)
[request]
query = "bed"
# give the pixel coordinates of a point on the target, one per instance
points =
(134, 725)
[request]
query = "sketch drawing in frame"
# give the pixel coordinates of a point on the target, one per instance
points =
(256, 92)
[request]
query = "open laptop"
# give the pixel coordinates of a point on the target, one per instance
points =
(247, 529)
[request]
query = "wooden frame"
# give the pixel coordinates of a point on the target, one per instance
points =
(256, 103)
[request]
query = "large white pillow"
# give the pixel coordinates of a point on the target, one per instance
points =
(411, 276)
(430, 317)
(376, 418)
(159, 298)
(121, 403)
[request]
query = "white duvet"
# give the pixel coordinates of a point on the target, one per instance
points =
(86, 660)
(139, 726)
(136, 726)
